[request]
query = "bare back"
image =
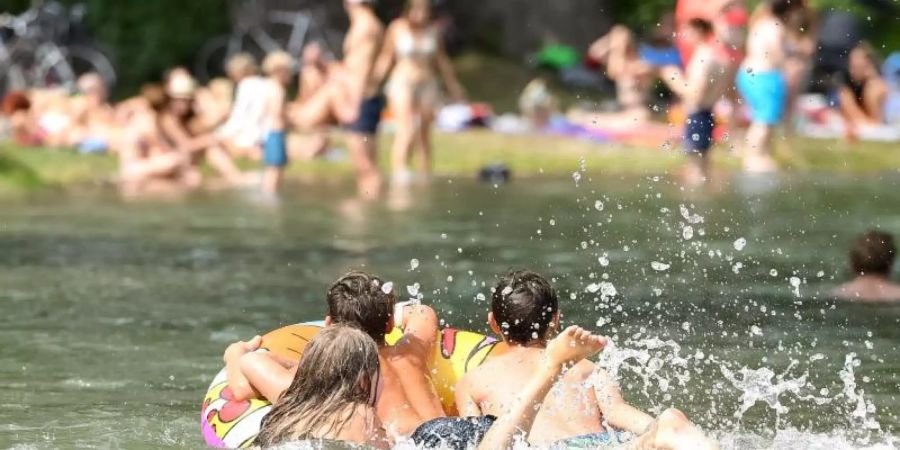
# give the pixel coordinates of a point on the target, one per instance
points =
(361, 46)
(570, 409)
(766, 45)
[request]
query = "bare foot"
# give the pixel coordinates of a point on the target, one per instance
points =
(673, 431)
(760, 164)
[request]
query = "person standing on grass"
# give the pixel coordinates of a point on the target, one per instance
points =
(699, 88)
(350, 96)
(414, 55)
(761, 79)
(278, 68)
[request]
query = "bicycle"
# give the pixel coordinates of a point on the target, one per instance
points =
(250, 34)
(47, 47)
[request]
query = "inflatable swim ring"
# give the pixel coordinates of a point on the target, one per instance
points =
(226, 423)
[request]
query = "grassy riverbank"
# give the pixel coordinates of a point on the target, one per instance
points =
(462, 154)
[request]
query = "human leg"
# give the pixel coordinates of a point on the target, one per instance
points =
(402, 107)
(275, 159)
(672, 431)
(224, 164)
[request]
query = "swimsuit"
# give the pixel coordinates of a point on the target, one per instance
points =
(453, 433)
(765, 92)
(698, 131)
(593, 441)
(275, 149)
(369, 116)
(420, 47)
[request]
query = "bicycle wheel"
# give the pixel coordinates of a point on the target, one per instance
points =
(83, 60)
(210, 61)
(12, 78)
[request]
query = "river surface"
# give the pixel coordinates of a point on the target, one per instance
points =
(115, 313)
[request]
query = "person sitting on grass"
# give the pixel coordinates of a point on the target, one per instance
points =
(334, 394)
(525, 312)
(871, 260)
(699, 88)
(365, 302)
(176, 125)
(862, 99)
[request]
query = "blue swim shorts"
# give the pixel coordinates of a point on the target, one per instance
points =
(698, 132)
(593, 441)
(275, 149)
(765, 93)
(369, 116)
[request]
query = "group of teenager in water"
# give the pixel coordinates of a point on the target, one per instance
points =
(350, 386)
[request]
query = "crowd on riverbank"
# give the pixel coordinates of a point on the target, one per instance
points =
(721, 57)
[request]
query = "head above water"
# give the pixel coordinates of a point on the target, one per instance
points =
(873, 253)
(418, 12)
(358, 299)
(339, 371)
(524, 308)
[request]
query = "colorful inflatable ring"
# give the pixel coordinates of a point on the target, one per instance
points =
(226, 423)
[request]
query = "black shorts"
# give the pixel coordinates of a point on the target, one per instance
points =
(698, 132)
(369, 116)
(455, 433)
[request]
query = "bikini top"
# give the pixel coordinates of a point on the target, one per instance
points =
(422, 45)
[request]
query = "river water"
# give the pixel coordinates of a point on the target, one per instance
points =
(115, 313)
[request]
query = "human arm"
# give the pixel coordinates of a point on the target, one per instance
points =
(385, 60)
(616, 411)
(179, 135)
(464, 396)
(874, 98)
(448, 73)
(572, 345)
(267, 374)
(240, 386)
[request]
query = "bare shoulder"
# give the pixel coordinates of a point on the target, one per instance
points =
(581, 371)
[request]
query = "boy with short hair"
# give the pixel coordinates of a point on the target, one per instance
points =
(584, 400)
(871, 260)
(703, 83)
(362, 301)
(278, 68)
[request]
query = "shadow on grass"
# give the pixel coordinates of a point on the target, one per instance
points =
(16, 175)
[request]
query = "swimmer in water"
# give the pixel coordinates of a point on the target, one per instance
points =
(334, 394)
(871, 260)
(363, 301)
(583, 401)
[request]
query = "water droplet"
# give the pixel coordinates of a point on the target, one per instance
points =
(413, 264)
(659, 266)
(740, 243)
(388, 287)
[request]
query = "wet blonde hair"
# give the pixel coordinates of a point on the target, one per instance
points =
(338, 372)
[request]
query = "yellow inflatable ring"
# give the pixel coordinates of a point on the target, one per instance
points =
(226, 423)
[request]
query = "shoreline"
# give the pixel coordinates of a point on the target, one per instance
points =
(463, 154)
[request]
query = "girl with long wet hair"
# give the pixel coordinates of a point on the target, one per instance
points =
(333, 395)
